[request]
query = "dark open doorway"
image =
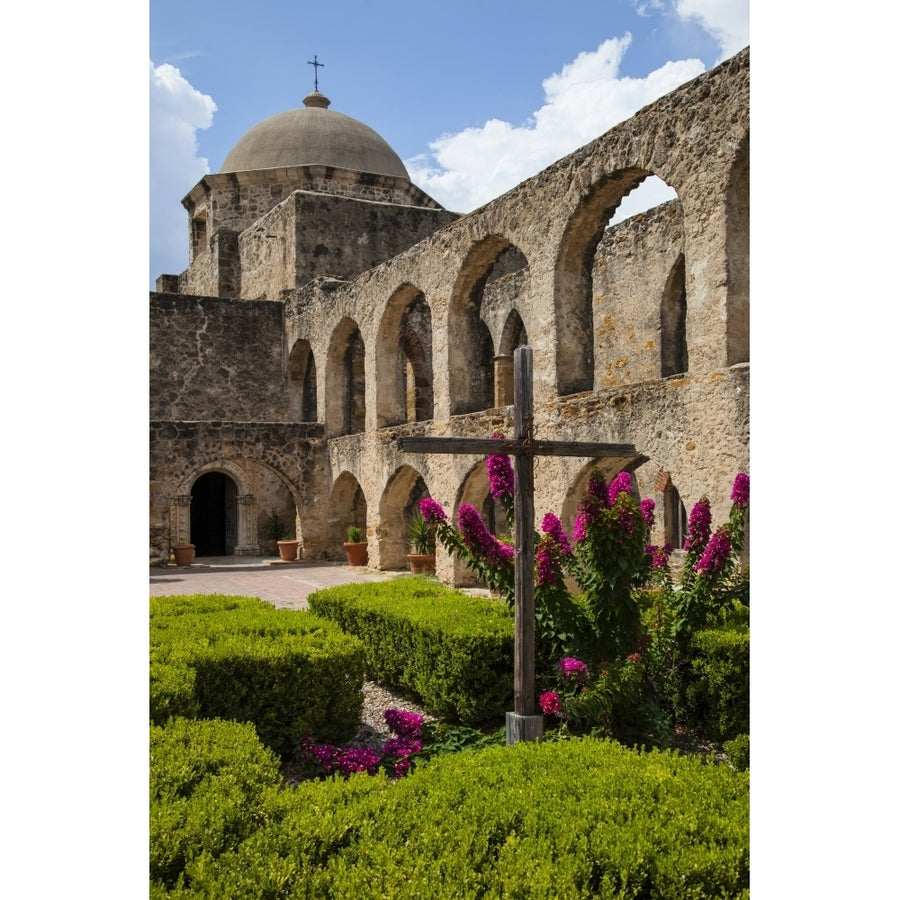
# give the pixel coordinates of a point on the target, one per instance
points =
(214, 515)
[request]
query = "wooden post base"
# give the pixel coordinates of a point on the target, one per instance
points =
(523, 728)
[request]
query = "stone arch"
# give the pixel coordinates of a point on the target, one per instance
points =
(348, 507)
(253, 497)
(574, 278)
(345, 381)
(401, 496)
(405, 385)
(492, 274)
(301, 371)
(737, 250)
(673, 348)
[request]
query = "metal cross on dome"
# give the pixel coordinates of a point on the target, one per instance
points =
(315, 62)
(523, 724)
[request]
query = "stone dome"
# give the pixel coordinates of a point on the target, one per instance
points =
(314, 136)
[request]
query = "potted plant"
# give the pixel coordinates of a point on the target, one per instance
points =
(422, 544)
(355, 547)
(183, 553)
(279, 537)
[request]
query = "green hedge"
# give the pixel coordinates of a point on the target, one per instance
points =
(286, 671)
(207, 778)
(579, 818)
(452, 651)
(716, 691)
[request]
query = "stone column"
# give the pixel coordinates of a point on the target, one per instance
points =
(180, 516)
(248, 539)
(503, 381)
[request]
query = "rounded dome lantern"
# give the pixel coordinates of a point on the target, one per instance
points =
(314, 136)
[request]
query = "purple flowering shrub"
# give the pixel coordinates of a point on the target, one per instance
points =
(396, 758)
(614, 653)
(711, 581)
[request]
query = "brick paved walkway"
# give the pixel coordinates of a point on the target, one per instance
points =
(284, 585)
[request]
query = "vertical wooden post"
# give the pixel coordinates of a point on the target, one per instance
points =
(523, 724)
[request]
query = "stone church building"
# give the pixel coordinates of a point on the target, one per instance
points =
(331, 307)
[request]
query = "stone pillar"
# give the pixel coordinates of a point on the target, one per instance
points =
(503, 381)
(247, 537)
(180, 517)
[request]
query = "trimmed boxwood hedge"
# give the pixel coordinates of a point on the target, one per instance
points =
(573, 819)
(288, 672)
(452, 651)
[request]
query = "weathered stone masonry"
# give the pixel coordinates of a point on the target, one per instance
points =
(401, 318)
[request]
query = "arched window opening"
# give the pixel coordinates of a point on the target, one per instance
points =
(302, 382)
(675, 517)
(405, 377)
(494, 278)
(345, 381)
(673, 321)
(604, 282)
(355, 381)
(415, 350)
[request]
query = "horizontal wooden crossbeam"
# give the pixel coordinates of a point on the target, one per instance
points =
(529, 447)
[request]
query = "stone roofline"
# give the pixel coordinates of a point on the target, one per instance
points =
(306, 177)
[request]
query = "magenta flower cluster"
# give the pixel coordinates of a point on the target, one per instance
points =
(546, 564)
(346, 760)
(570, 668)
(550, 703)
(621, 484)
(478, 538)
(404, 724)
(715, 554)
(698, 526)
(551, 525)
(501, 478)
(740, 491)
(431, 510)
(648, 505)
(660, 555)
(596, 499)
(397, 752)
(552, 547)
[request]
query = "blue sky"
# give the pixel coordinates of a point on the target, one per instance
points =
(473, 96)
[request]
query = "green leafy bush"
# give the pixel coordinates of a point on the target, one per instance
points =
(206, 783)
(452, 651)
(715, 689)
(579, 818)
(738, 752)
(287, 671)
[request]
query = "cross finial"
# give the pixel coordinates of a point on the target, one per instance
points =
(317, 65)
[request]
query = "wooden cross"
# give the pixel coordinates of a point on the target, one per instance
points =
(523, 724)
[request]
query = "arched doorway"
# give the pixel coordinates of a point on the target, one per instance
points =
(214, 515)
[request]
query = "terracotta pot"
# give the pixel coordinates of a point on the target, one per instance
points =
(184, 554)
(421, 563)
(357, 554)
(287, 550)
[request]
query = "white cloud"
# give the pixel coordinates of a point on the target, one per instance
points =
(584, 100)
(177, 110)
(728, 21)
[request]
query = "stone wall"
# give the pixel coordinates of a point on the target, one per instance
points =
(272, 465)
(311, 235)
(211, 357)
